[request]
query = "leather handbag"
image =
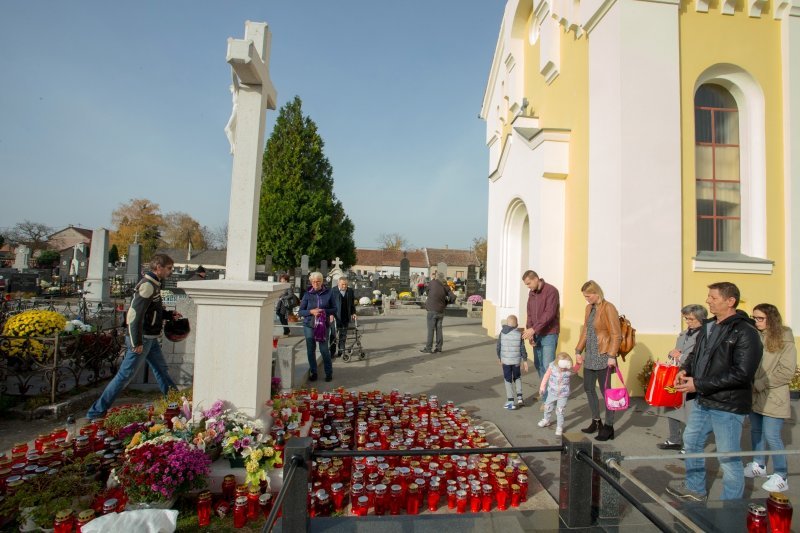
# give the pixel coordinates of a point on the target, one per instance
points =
(617, 399)
(661, 389)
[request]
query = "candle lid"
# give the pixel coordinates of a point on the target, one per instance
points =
(777, 497)
(758, 510)
(63, 514)
(86, 514)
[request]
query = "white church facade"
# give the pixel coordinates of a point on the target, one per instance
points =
(648, 146)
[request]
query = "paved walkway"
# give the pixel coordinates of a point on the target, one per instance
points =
(467, 372)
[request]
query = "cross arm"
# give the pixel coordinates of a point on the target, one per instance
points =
(243, 57)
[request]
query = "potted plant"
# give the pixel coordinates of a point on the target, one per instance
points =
(45, 495)
(259, 460)
(119, 417)
(239, 441)
(794, 386)
(646, 372)
(155, 472)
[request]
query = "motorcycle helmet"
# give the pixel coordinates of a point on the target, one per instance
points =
(177, 330)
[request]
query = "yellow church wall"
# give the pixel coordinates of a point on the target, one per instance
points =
(754, 44)
(564, 104)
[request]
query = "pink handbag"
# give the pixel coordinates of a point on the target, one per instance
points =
(617, 399)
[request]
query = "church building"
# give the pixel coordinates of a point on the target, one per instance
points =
(649, 146)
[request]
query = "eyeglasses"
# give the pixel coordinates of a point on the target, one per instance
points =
(758, 318)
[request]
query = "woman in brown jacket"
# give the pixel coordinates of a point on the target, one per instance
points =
(771, 395)
(600, 338)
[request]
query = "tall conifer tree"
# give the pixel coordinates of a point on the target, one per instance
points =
(299, 213)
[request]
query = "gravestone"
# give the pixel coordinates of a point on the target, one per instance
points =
(304, 264)
(323, 268)
(472, 280)
(23, 255)
(96, 287)
(336, 272)
(442, 268)
(26, 282)
(268, 266)
(77, 265)
(405, 267)
(133, 268)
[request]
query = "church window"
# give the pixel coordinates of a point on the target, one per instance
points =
(717, 170)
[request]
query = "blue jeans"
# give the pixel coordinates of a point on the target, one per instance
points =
(435, 324)
(727, 428)
(766, 431)
(131, 364)
(311, 352)
(544, 353)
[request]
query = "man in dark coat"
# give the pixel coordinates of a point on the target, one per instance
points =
(345, 302)
(439, 295)
(719, 373)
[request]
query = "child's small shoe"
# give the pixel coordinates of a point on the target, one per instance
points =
(510, 405)
(559, 431)
(543, 423)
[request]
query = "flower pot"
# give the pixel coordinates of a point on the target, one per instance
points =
(236, 462)
(213, 451)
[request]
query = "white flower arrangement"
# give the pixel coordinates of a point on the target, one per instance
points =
(364, 300)
(76, 326)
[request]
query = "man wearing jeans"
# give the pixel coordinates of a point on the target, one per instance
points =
(719, 373)
(145, 319)
(542, 327)
(439, 295)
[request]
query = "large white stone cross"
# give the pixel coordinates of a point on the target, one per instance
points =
(249, 58)
(234, 325)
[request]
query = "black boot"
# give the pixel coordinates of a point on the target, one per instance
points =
(594, 427)
(606, 433)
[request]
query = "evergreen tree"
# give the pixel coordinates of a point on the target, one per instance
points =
(299, 213)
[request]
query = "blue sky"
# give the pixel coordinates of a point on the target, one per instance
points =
(101, 102)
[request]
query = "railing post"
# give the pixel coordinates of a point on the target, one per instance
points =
(575, 485)
(605, 499)
(295, 504)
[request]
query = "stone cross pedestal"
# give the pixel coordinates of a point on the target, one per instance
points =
(233, 350)
(96, 288)
(23, 255)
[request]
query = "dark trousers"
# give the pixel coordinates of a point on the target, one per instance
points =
(591, 378)
(435, 325)
(284, 319)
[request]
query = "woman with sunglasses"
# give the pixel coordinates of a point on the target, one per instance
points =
(771, 396)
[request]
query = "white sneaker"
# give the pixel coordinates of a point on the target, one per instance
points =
(510, 406)
(754, 470)
(775, 483)
(543, 423)
(559, 431)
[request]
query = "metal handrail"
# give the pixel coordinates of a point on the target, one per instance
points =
(294, 462)
(705, 455)
(657, 521)
(612, 463)
(443, 451)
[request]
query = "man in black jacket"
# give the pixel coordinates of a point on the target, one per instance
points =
(439, 295)
(345, 302)
(719, 374)
(145, 319)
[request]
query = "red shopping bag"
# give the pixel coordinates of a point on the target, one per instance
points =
(661, 390)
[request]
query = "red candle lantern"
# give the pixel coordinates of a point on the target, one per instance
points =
(204, 508)
(240, 512)
(63, 522)
(380, 499)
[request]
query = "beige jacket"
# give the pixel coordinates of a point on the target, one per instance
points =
(771, 385)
